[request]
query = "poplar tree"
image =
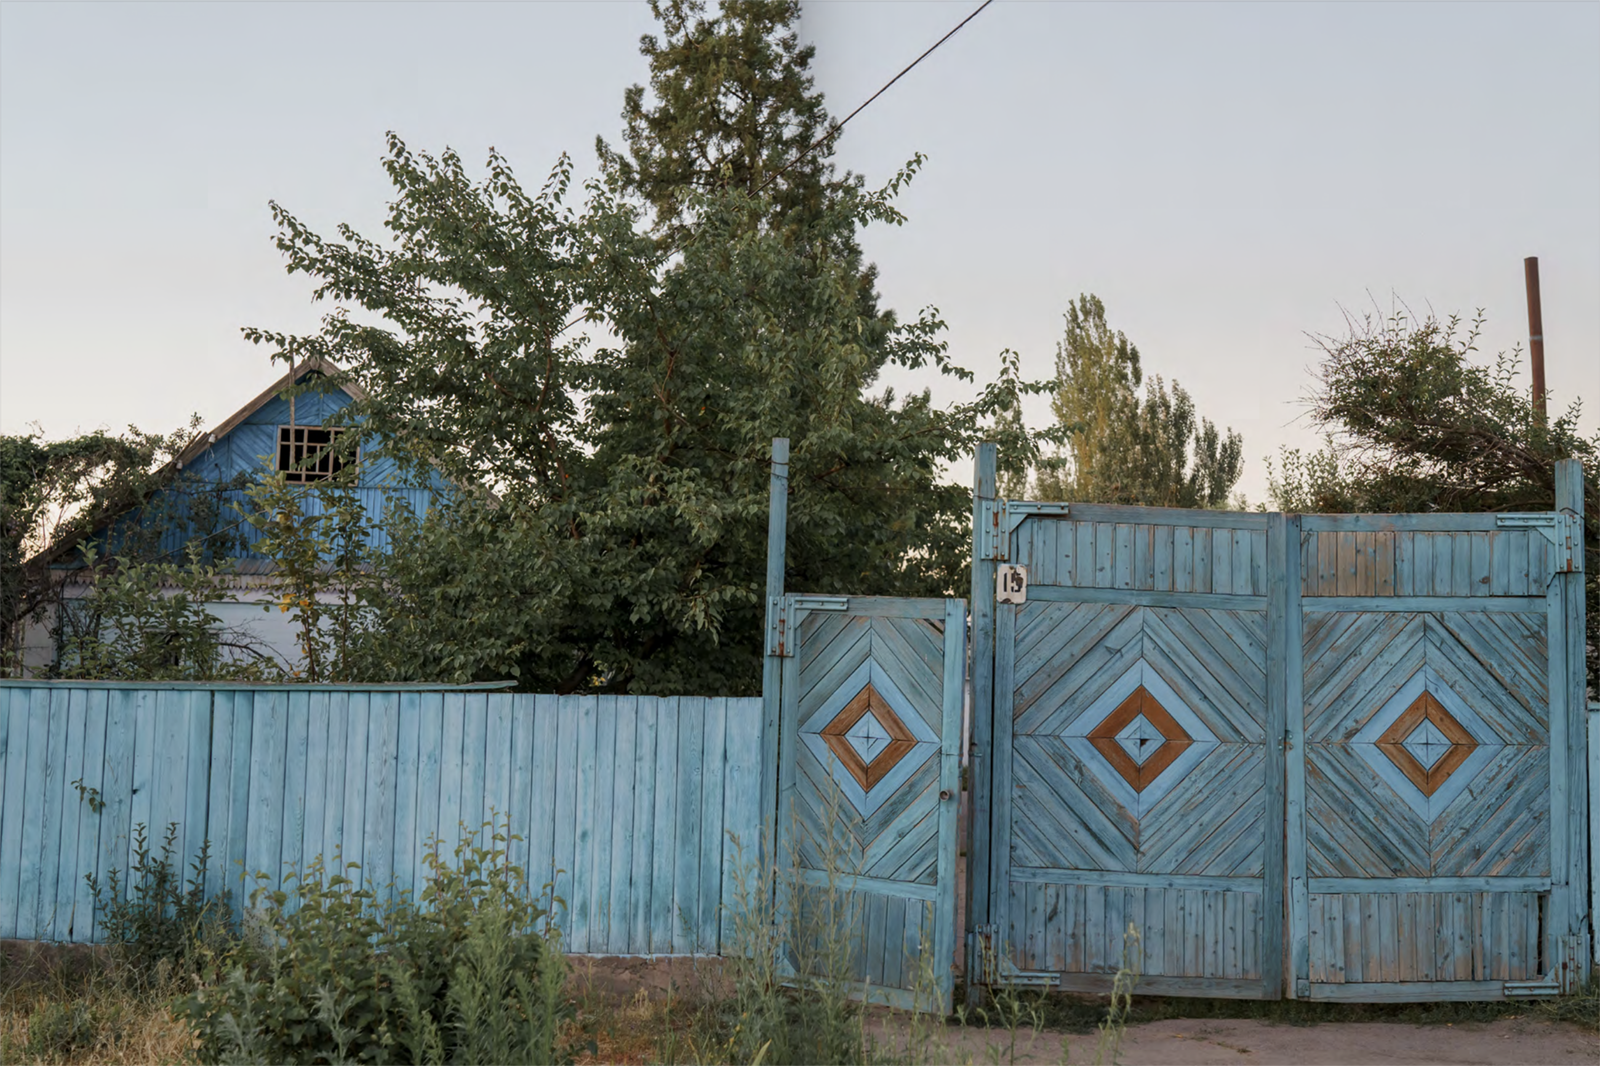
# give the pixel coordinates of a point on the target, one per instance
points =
(1129, 441)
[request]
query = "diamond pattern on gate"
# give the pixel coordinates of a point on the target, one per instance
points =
(1139, 738)
(1426, 744)
(870, 738)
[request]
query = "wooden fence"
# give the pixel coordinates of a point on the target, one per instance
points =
(626, 805)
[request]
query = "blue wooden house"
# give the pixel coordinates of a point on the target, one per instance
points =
(288, 428)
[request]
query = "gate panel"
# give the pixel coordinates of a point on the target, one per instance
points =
(1425, 861)
(1133, 783)
(871, 731)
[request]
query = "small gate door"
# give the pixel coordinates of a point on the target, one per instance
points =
(1136, 765)
(869, 777)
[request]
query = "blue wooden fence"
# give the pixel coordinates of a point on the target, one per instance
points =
(624, 804)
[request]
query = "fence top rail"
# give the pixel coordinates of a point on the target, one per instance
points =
(254, 686)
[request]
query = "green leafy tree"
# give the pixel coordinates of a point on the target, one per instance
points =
(1416, 422)
(1126, 441)
(56, 494)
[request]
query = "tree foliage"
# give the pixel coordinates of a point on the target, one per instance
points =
(1123, 445)
(1416, 422)
(624, 545)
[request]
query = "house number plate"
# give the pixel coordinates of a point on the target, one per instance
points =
(1011, 584)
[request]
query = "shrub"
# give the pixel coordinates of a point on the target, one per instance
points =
(330, 971)
(156, 924)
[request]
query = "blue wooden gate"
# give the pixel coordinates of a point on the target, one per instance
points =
(872, 693)
(1260, 755)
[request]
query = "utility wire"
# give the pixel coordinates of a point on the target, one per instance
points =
(839, 126)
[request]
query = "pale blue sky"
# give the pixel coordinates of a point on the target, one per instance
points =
(1226, 177)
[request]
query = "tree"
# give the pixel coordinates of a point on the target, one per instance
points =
(1123, 446)
(1415, 423)
(54, 494)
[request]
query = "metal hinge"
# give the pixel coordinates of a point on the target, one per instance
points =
(988, 959)
(782, 611)
(998, 519)
(1564, 978)
(1562, 529)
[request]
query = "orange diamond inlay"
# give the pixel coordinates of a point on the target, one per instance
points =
(893, 747)
(1456, 744)
(1174, 741)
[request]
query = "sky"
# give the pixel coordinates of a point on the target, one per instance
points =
(1231, 179)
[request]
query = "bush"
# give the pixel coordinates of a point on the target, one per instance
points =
(332, 972)
(156, 924)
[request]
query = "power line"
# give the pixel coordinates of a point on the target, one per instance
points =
(839, 126)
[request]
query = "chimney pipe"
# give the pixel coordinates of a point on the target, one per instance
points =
(1530, 270)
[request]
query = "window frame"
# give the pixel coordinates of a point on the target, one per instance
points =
(311, 477)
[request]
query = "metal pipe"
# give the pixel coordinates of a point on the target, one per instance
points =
(1530, 271)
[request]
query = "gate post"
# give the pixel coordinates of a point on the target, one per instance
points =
(1569, 501)
(772, 662)
(981, 757)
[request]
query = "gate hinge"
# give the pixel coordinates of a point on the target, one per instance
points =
(1562, 529)
(988, 959)
(998, 519)
(782, 612)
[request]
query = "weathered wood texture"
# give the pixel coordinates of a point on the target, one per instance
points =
(867, 813)
(1321, 756)
(627, 806)
(1145, 616)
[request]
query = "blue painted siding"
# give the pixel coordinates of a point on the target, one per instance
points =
(251, 447)
(274, 777)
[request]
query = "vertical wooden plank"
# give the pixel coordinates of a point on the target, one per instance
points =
(664, 832)
(1122, 559)
(686, 872)
(383, 741)
(1222, 560)
(89, 822)
(1480, 573)
(1194, 920)
(1443, 564)
(497, 760)
(56, 910)
(1461, 564)
(41, 836)
(430, 774)
(1161, 553)
(1105, 542)
(1516, 545)
(357, 736)
(237, 870)
(338, 769)
(116, 818)
(601, 829)
(1371, 949)
(1334, 939)
(896, 966)
(1114, 925)
(1258, 562)
(1346, 581)
(1383, 563)
(1422, 568)
(1243, 565)
(1044, 554)
(1066, 555)
(1095, 938)
(1032, 920)
(1183, 559)
(452, 768)
(1366, 557)
(1203, 571)
(1144, 570)
(538, 742)
(1281, 560)
(1155, 923)
(587, 830)
(296, 741)
(737, 796)
(1570, 915)
(195, 782)
(14, 727)
(1477, 936)
(407, 788)
(711, 838)
(641, 867)
(1085, 557)
(1327, 563)
(771, 663)
(1462, 934)
(474, 760)
(1316, 954)
(1232, 933)
(979, 902)
(615, 894)
(318, 719)
(1388, 933)
(567, 767)
(268, 749)
(1404, 564)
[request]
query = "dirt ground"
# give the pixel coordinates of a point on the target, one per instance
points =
(1247, 1042)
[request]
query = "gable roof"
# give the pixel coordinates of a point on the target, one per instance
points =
(313, 365)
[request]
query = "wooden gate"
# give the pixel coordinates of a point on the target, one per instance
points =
(869, 774)
(1260, 755)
